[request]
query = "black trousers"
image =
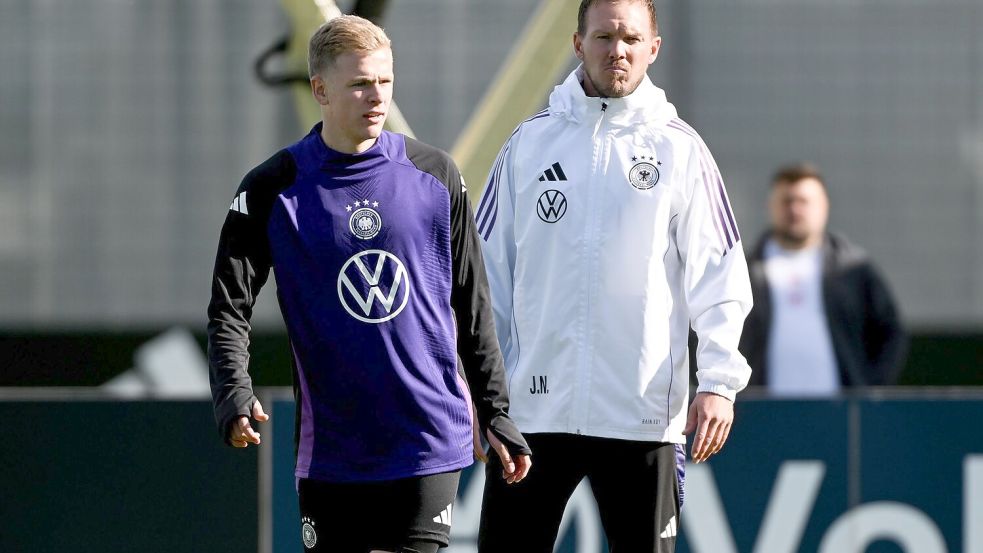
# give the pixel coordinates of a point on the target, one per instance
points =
(638, 487)
(409, 515)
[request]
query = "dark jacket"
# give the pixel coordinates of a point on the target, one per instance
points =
(867, 336)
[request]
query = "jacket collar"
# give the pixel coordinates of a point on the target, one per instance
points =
(647, 104)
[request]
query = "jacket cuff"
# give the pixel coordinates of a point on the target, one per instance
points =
(508, 433)
(718, 389)
(239, 405)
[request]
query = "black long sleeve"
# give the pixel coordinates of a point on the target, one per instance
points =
(242, 266)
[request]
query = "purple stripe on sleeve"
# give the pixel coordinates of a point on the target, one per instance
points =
(491, 224)
(492, 206)
(725, 201)
(730, 214)
(720, 213)
(484, 198)
(487, 198)
(486, 219)
(715, 215)
(306, 446)
(540, 115)
(709, 172)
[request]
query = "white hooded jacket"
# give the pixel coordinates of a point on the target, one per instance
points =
(607, 232)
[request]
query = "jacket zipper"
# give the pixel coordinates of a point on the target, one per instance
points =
(582, 407)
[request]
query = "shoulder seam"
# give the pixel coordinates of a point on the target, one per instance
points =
(441, 154)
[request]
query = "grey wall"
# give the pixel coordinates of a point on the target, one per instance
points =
(125, 127)
(886, 97)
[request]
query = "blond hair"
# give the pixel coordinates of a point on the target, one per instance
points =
(343, 34)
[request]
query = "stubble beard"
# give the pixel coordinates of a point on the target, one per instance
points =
(614, 88)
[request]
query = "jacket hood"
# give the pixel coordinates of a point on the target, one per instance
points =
(647, 104)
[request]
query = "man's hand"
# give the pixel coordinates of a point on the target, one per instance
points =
(512, 470)
(242, 433)
(711, 416)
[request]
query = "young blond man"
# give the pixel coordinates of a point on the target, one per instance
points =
(383, 291)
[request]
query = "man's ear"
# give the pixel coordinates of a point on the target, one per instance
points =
(656, 45)
(318, 90)
(578, 46)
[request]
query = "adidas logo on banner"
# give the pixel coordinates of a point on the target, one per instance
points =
(670, 531)
(239, 204)
(444, 517)
(554, 173)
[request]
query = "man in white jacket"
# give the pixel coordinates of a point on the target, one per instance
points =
(607, 233)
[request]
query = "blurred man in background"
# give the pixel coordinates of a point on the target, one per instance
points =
(608, 232)
(383, 292)
(823, 317)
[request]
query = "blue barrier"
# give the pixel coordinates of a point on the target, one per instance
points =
(858, 475)
(86, 473)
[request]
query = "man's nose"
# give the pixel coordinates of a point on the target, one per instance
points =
(618, 50)
(375, 94)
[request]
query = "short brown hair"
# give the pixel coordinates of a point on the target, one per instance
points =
(586, 5)
(343, 34)
(794, 172)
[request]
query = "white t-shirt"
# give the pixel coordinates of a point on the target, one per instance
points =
(801, 360)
